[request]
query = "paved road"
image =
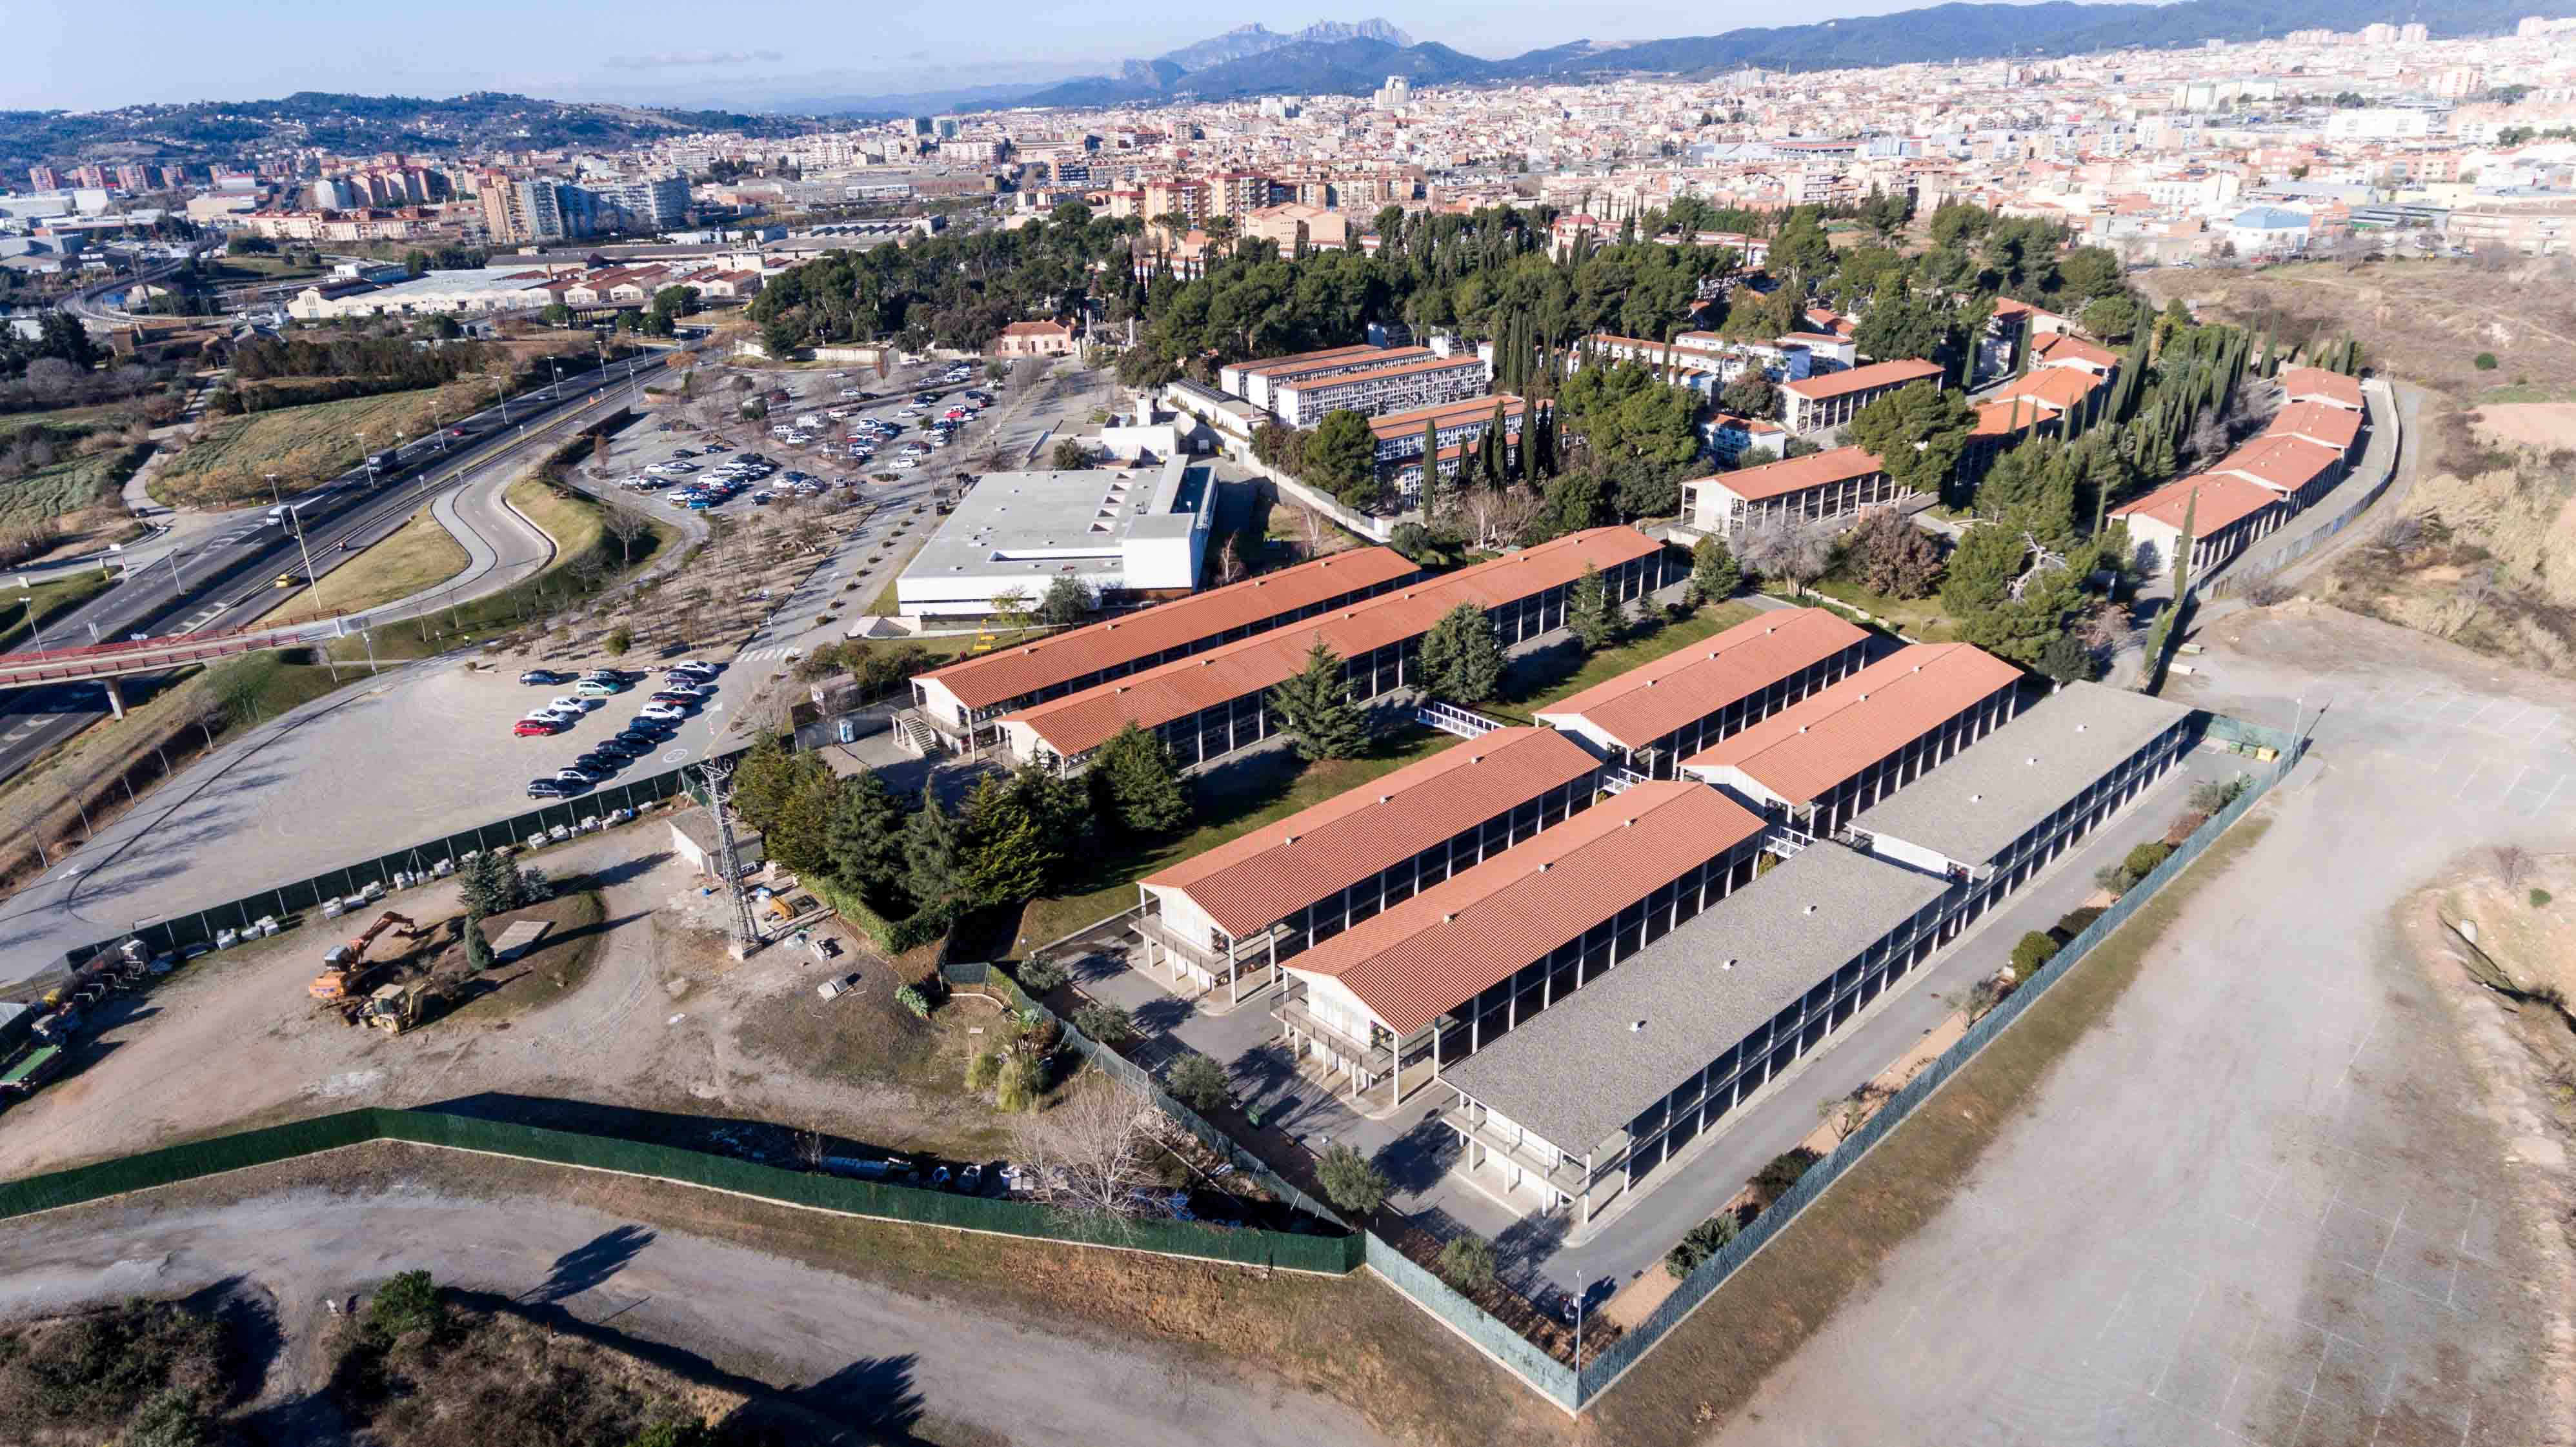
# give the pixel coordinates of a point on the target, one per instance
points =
(225, 581)
(2262, 1202)
(872, 1355)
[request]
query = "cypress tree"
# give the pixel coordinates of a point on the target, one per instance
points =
(863, 839)
(1430, 466)
(1592, 613)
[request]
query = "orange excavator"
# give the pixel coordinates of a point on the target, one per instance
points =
(346, 964)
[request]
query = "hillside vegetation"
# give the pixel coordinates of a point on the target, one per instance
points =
(304, 445)
(2484, 553)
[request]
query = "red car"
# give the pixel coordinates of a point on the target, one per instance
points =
(537, 728)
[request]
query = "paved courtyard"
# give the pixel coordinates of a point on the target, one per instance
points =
(2265, 1202)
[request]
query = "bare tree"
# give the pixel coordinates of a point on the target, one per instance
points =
(1095, 1153)
(627, 526)
(2512, 865)
(1795, 554)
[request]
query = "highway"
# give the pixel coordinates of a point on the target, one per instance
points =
(228, 581)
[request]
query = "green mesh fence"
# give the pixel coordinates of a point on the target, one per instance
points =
(1327, 1255)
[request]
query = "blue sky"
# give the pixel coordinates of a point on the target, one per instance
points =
(758, 54)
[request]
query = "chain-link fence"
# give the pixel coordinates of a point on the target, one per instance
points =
(412, 865)
(1488, 1333)
(1279, 1250)
(1606, 1369)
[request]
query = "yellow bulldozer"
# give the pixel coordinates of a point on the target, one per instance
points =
(398, 1007)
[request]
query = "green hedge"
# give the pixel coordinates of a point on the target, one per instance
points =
(894, 936)
(1331, 1255)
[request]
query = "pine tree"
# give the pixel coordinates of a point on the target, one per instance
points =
(864, 839)
(1592, 613)
(1462, 656)
(934, 861)
(798, 835)
(1714, 572)
(1315, 708)
(1005, 855)
(1137, 782)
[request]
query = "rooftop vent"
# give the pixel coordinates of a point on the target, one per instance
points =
(1810, 909)
(1635, 1026)
(2033, 759)
(1291, 839)
(1976, 798)
(1730, 964)
(1448, 916)
(1385, 798)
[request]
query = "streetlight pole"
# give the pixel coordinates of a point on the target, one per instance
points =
(27, 595)
(501, 393)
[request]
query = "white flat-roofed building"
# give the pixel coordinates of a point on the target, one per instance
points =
(1580, 1106)
(1127, 533)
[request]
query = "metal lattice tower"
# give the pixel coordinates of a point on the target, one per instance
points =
(718, 779)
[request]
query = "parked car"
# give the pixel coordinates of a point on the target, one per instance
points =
(664, 711)
(547, 789)
(622, 748)
(573, 779)
(675, 698)
(541, 677)
(536, 728)
(590, 770)
(573, 704)
(598, 688)
(698, 666)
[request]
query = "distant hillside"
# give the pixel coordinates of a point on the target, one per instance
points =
(1329, 65)
(208, 132)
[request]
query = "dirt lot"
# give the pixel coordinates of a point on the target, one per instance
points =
(616, 1007)
(2272, 1196)
(2546, 425)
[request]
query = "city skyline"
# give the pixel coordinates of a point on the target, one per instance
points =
(782, 55)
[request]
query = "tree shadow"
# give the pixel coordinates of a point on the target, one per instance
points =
(592, 1263)
(1525, 1246)
(874, 1394)
(1163, 1016)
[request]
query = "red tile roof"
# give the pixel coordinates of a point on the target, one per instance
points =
(1078, 723)
(1797, 474)
(2063, 388)
(1645, 703)
(1816, 743)
(1448, 414)
(2317, 382)
(1026, 669)
(2057, 347)
(1861, 379)
(2281, 462)
(2224, 502)
(2324, 422)
(1435, 951)
(1252, 882)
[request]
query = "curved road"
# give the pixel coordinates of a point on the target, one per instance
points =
(876, 1357)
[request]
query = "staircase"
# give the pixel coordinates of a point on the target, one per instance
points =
(917, 736)
(1466, 723)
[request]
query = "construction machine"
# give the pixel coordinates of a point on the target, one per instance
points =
(346, 965)
(398, 1007)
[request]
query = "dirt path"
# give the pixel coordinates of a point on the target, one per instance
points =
(861, 1352)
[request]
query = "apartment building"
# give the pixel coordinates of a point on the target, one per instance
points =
(1457, 428)
(963, 699)
(1827, 486)
(1226, 918)
(1207, 706)
(1650, 718)
(1824, 759)
(1255, 382)
(1394, 1001)
(1426, 382)
(1815, 404)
